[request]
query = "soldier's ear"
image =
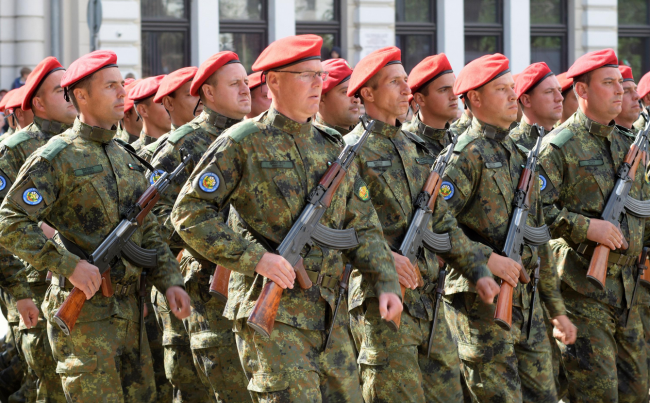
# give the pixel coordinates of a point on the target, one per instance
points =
(366, 93)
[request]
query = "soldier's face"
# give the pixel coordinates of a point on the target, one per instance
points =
(105, 100)
(496, 102)
(339, 109)
(49, 103)
(602, 99)
(231, 95)
(544, 103)
(630, 109)
(440, 101)
(260, 102)
(181, 105)
(570, 105)
(155, 115)
(293, 96)
(391, 96)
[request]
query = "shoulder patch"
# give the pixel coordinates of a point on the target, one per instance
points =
(16, 139)
(241, 130)
(559, 139)
(361, 189)
(53, 148)
(180, 133)
(447, 190)
(462, 142)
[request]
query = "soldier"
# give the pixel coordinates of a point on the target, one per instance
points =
(52, 116)
(260, 101)
(630, 106)
(395, 164)
(462, 123)
(6, 115)
(284, 153)
(578, 164)
(222, 85)
(155, 119)
(479, 185)
(21, 118)
(81, 183)
(431, 82)
(570, 102)
(643, 89)
(131, 125)
(336, 109)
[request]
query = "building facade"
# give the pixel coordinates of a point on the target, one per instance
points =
(154, 37)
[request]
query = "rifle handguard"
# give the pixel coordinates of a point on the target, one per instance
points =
(219, 283)
(503, 311)
(69, 311)
(597, 273)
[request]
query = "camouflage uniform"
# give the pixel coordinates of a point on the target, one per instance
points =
(640, 123)
(265, 168)
(435, 139)
(31, 284)
(15, 375)
(394, 366)
(143, 141)
(210, 334)
(125, 136)
(147, 152)
(82, 182)
(342, 130)
(461, 124)
(479, 185)
(578, 161)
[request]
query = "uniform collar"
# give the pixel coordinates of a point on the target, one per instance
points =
(278, 120)
(216, 119)
(94, 133)
(593, 127)
(490, 131)
(342, 130)
(146, 139)
(384, 128)
(50, 126)
(428, 131)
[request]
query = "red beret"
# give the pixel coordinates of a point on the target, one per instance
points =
(340, 72)
(173, 81)
(16, 97)
(565, 82)
(428, 70)
(626, 72)
(128, 102)
(592, 61)
(371, 64)
(208, 67)
(146, 88)
(289, 50)
(7, 98)
(128, 81)
(87, 65)
(481, 71)
(37, 76)
(532, 75)
(643, 88)
(255, 80)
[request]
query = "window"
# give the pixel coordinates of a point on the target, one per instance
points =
(483, 28)
(243, 29)
(322, 18)
(415, 30)
(548, 33)
(165, 36)
(634, 36)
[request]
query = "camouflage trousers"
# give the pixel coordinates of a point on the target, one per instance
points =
(179, 366)
(100, 362)
(16, 384)
(644, 312)
(499, 365)
(394, 366)
(559, 374)
(608, 362)
(38, 354)
(154, 334)
(292, 366)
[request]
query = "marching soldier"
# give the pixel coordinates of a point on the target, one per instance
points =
(81, 183)
(260, 102)
(570, 102)
(283, 154)
(479, 185)
(131, 125)
(643, 89)
(155, 119)
(630, 106)
(222, 85)
(19, 118)
(578, 164)
(337, 110)
(395, 164)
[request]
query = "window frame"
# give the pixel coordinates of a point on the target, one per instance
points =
(259, 27)
(487, 29)
(642, 32)
(404, 28)
(323, 27)
(555, 30)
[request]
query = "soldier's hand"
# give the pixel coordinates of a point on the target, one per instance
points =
(48, 231)
(276, 268)
(564, 330)
(86, 278)
(487, 289)
(606, 233)
(389, 306)
(179, 301)
(28, 312)
(504, 268)
(405, 271)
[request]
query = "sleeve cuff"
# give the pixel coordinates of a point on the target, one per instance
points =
(20, 291)
(66, 264)
(250, 258)
(388, 287)
(556, 309)
(580, 227)
(480, 272)
(173, 280)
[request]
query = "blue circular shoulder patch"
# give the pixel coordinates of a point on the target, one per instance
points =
(209, 182)
(32, 197)
(156, 175)
(542, 182)
(447, 190)
(3, 183)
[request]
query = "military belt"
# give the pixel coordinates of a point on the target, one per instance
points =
(429, 288)
(119, 289)
(322, 280)
(614, 258)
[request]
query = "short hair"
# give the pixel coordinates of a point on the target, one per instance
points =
(83, 83)
(25, 71)
(583, 78)
(373, 83)
(212, 80)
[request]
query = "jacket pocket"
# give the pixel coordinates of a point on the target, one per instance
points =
(77, 364)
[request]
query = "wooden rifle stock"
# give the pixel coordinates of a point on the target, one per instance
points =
(107, 286)
(645, 279)
(394, 324)
(503, 311)
(219, 283)
(69, 312)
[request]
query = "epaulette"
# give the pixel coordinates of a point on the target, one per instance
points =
(181, 132)
(626, 131)
(418, 141)
(16, 139)
(462, 142)
(330, 133)
(522, 148)
(239, 131)
(53, 148)
(560, 138)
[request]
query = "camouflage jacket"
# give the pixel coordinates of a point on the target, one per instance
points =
(479, 184)
(395, 164)
(265, 168)
(7, 134)
(143, 141)
(579, 161)
(147, 152)
(342, 130)
(640, 123)
(194, 138)
(522, 135)
(13, 154)
(435, 139)
(125, 136)
(461, 124)
(82, 183)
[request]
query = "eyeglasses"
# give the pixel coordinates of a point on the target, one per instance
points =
(307, 76)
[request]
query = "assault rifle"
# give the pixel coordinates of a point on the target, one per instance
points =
(641, 268)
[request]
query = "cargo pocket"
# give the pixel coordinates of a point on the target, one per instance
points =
(268, 382)
(581, 351)
(472, 357)
(77, 364)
